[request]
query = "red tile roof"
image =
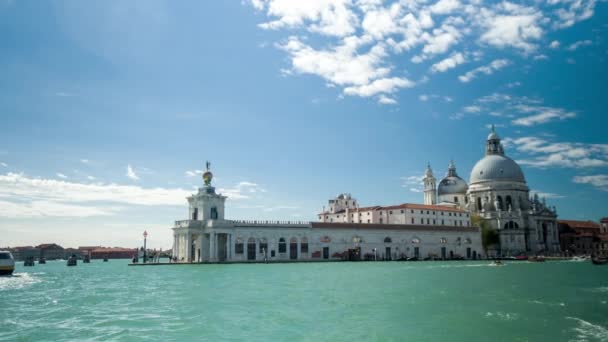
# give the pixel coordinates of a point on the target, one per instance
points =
(402, 206)
(580, 224)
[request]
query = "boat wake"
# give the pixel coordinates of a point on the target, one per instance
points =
(588, 331)
(17, 281)
(502, 316)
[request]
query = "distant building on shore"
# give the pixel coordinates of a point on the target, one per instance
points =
(51, 251)
(113, 253)
(21, 253)
(584, 237)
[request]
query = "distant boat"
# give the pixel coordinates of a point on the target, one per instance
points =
(497, 263)
(86, 259)
(537, 259)
(105, 259)
(72, 261)
(29, 261)
(521, 257)
(7, 263)
(578, 259)
(599, 260)
(42, 261)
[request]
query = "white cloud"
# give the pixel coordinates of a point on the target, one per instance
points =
(379, 86)
(352, 42)
(3, 164)
(543, 154)
(194, 173)
(22, 196)
(547, 195)
(541, 115)
(445, 6)
(472, 109)
(242, 190)
(386, 100)
(598, 181)
(328, 17)
(61, 175)
(85, 161)
(448, 63)
(91, 178)
(516, 30)
(131, 173)
(423, 97)
(489, 69)
(578, 44)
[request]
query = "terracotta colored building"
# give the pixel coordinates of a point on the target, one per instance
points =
(113, 253)
(582, 237)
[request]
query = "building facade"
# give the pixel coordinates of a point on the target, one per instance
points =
(498, 192)
(390, 234)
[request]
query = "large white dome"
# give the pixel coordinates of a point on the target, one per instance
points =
(496, 167)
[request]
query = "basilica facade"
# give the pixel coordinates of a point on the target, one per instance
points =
(498, 192)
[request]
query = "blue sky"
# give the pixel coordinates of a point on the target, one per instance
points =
(109, 109)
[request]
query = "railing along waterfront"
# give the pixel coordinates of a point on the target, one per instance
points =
(269, 222)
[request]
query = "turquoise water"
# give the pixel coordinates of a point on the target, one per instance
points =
(384, 301)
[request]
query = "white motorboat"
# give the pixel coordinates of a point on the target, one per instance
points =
(7, 263)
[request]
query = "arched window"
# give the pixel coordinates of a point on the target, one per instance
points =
(238, 246)
(282, 246)
(511, 225)
(263, 245)
(293, 245)
(509, 203)
(304, 245)
(213, 213)
(455, 199)
(443, 240)
(387, 240)
(478, 203)
(415, 240)
(499, 200)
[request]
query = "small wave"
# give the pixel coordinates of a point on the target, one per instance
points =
(601, 289)
(18, 281)
(586, 330)
(545, 303)
(505, 316)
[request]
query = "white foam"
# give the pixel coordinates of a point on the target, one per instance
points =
(18, 281)
(587, 330)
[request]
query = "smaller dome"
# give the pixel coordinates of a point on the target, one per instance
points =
(453, 185)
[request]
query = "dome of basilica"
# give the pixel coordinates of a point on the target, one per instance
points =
(496, 167)
(452, 183)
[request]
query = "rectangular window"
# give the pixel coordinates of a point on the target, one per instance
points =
(433, 221)
(421, 221)
(380, 220)
(304, 247)
(412, 220)
(412, 211)
(402, 211)
(428, 221)
(390, 212)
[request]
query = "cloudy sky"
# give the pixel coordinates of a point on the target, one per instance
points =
(109, 109)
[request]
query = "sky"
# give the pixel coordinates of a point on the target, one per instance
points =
(109, 109)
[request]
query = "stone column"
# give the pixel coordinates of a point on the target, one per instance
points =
(188, 247)
(212, 243)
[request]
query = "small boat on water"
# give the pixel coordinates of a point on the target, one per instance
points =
(105, 259)
(29, 261)
(72, 261)
(86, 259)
(42, 261)
(599, 260)
(537, 259)
(579, 259)
(7, 263)
(497, 263)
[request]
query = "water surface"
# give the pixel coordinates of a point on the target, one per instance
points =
(386, 301)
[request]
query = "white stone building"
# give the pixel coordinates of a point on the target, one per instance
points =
(498, 192)
(392, 232)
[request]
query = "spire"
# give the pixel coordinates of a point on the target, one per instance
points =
(207, 176)
(493, 145)
(429, 171)
(452, 169)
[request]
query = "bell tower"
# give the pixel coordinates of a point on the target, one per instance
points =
(430, 186)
